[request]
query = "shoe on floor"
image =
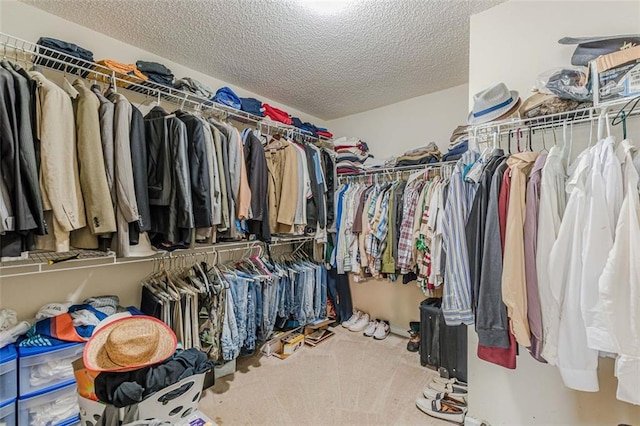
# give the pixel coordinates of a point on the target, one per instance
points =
(371, 328)
(413, 345)
(453, 390)
(382, 330)
(440, 410)
(434, 394)
(360, 324)
(452, 380)
(355, 317)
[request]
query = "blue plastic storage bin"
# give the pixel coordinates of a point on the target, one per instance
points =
(8, 413)
(8, 374)
(35, 367)
(39, 408)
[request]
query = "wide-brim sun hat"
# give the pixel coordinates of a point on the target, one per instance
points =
(129, 343)
(493, 103)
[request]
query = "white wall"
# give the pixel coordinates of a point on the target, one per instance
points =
(513, 43)
(393, 129)
(30, 23)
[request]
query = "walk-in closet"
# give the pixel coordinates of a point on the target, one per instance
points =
(319, 212)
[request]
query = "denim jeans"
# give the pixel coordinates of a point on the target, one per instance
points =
(250, 341)
(309, 280)
(257, 285)
(230, 339)
(297, 291)
(239, 290)
(283, 287)
(317, 296)
(323, 291)
(270, 290)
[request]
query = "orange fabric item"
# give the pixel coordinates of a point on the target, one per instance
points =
(128, 69)
(62, 325)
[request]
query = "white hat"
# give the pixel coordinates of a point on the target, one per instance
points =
(492, 103)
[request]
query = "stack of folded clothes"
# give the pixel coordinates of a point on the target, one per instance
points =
(228, 97)
(321, 131)
(127, 72)
(252, 106)
(458, 144)
(156, 72)
(277, 114)
(64, 47)
(423, 155)
(192, 85)
(352, 153)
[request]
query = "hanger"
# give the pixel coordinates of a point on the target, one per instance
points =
(621, 116)
(518, 136)
(544, 142)
(509, 142)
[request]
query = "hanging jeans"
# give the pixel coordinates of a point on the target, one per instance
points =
(340, 294)
(317, 297)
(239, 291)
(230, 340)
(250, 340)
(259, 308)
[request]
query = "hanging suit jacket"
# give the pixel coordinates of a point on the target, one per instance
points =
(139, 164)
(199, 170)
(59, 176)
(256, 161)
(93, 178)
(282, 164)
(27, 150)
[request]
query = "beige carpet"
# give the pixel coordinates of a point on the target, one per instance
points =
(347, 380)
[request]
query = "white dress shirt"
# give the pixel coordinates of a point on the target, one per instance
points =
(577, 363)
(620, 285)
(604, 199)
(551, 209)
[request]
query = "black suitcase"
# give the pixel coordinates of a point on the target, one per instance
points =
(441, 346)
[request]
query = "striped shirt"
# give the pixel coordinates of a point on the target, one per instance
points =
(456, 299)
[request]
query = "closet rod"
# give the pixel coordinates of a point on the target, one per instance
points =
(386, 170)
(550, 121)
(19, 268)
(62, 62)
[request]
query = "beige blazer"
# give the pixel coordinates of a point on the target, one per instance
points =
(59, 176)
(101, 217)
(282, 164)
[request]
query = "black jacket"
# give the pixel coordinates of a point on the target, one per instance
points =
(139, 164)
(257, 174)
(199, 170)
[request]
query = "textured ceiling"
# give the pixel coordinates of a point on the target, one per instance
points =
(369, 54)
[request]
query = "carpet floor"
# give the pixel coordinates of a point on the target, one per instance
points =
(347, 380)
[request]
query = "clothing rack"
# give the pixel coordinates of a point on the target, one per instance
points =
(26, 51)
(483, 133)
(390, 170)
(38, 262)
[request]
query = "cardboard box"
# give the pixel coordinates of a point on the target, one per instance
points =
(292, 343)
(275, 346)
(616, 76)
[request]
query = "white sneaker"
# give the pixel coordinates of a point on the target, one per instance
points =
(441, 410)
(360, 324)
(371, 328)
(355, 317)
(382, 330)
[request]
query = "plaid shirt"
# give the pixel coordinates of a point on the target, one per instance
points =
(405, 243)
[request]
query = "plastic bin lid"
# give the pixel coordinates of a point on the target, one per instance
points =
(7, 402)
(24, 352)
(68, 383)
(8, 353)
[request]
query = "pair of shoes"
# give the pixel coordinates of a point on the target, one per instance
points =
(449, 387)
(413, 345)
(358, 321)
(441, 409)
(444, 399)
(378, 329)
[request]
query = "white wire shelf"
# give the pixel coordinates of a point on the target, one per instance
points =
(39, 262)
(44, 57)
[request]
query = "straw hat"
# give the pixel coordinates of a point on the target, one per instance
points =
(493, 103)
(129, 343)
